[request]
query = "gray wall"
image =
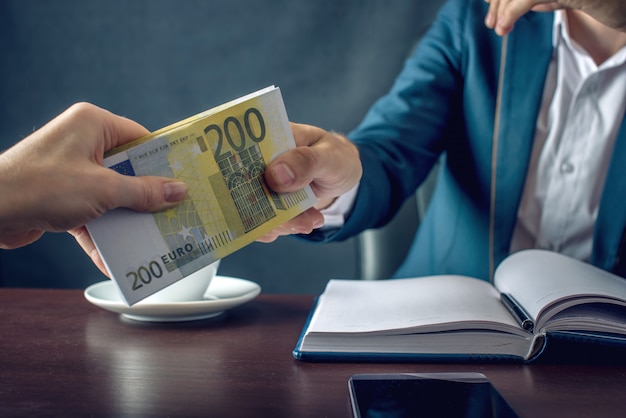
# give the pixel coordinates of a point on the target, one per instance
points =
(160, 61)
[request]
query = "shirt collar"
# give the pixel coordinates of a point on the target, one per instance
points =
(560, 33)
(559, 28)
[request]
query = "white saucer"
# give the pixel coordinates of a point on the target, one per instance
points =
(224, 293)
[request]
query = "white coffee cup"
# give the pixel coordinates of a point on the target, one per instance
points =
(187, 289)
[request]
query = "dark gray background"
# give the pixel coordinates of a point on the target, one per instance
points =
(160, 61)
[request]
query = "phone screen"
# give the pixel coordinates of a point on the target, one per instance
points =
(449, 395)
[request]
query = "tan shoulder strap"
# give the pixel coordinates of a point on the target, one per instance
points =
(494, 159)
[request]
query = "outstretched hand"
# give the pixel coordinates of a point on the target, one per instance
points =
(54, 180)
(326, 161)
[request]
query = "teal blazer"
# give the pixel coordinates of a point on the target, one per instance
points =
(443, 103)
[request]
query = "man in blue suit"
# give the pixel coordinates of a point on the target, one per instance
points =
(530, 129)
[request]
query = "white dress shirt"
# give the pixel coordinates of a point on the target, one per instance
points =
(581, 112)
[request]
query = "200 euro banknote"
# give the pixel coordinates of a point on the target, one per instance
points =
(221, 155)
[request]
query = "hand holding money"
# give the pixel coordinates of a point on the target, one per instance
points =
(53, 180)
(328, 162)
(221, 155)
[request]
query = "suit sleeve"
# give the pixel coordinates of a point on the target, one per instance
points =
(405, 131)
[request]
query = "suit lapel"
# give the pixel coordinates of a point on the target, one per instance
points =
(527, 59)
(609, 239)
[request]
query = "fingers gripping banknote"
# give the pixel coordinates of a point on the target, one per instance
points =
(221, 154)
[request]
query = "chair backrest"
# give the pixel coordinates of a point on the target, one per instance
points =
(380, 251)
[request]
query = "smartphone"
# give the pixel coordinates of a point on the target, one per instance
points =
(448, 395)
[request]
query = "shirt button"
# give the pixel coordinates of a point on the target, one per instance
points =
(567, 168)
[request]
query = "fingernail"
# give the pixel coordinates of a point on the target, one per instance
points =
(501, 29)
(490, 20)
(300, 230)
(318, 223)
(284, 174)
(174, 191)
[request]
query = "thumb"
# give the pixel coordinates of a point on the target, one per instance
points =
(151, 193)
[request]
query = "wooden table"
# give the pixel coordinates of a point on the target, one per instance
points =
(61, 356)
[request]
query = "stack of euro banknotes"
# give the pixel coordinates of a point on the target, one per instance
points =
(221, 155)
